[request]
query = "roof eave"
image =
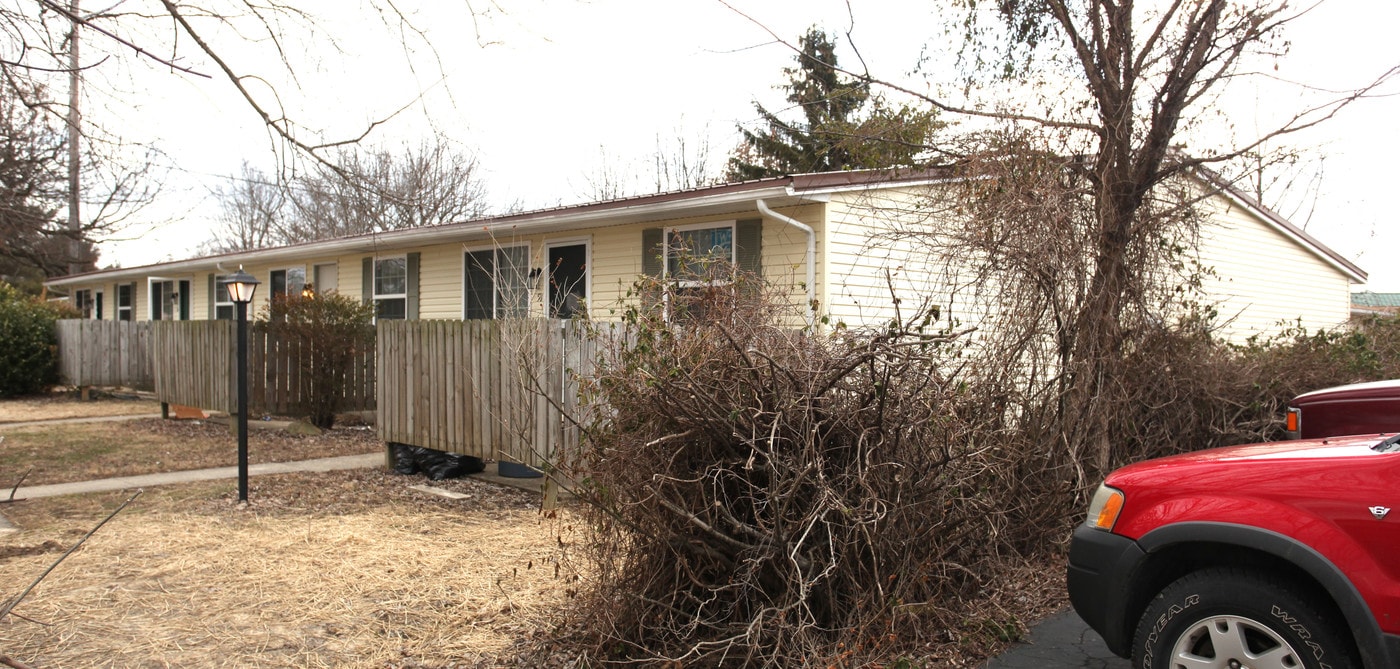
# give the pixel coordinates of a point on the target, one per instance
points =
(621, 212)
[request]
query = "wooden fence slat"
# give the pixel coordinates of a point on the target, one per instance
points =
(103, 353)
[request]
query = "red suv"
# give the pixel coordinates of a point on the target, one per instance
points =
(1278, 555)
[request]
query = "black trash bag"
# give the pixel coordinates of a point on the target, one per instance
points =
(406, 458)
(437, 465)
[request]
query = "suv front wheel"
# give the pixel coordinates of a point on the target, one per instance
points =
(1228, 619)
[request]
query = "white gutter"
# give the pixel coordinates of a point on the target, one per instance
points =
(811, 255)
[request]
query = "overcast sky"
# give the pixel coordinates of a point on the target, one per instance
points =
(548, 91)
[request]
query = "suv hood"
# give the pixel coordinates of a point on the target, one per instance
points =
(1305, 449)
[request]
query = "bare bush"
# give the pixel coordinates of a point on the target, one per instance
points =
(768, 496)
(765, 495)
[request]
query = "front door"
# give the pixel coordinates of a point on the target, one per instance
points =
(568, 279)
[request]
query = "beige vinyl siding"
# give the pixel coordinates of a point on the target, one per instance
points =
(1263, 279)
(615, 266)
(439, 281)
(201, 297)
(142, 304)
(870, 255)
(785, 255)
(109, 298)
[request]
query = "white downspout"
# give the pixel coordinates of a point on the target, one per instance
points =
(811, 256)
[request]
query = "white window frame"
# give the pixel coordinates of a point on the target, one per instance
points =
(98, 304)
(222, 298)
(374, 284)
(496, 250)
(130, 308)
(668, 233)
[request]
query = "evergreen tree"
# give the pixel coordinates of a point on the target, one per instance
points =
(834, 136)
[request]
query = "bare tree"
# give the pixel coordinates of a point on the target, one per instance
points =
(251, 46)
(367, 190)
(679, 162)
(254, 211)
(1116, 88)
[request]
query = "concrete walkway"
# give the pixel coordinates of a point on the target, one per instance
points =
(69, 421)
(189, 476)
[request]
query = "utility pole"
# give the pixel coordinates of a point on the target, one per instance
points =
(75, 227)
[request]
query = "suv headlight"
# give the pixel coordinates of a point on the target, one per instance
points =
(1104, 509)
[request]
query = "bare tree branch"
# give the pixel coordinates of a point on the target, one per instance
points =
(14, 601)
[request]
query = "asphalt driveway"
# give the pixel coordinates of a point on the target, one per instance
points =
(1061, 641)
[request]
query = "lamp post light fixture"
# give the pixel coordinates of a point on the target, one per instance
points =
(241, 286)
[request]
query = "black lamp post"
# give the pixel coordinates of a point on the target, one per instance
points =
(241, 286)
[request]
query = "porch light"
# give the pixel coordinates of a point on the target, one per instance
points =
(241, 286)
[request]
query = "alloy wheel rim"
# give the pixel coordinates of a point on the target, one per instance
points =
(1233, 642)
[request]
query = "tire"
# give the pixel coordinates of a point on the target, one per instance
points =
(1231, 618)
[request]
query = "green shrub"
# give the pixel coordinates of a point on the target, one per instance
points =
(332, 331)
(28, 342)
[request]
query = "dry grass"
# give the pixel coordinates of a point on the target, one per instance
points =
(66, 404)
(346, 569)
(341, 569)
(65, 452)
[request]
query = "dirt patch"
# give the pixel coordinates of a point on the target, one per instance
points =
(50, 546)
(67, 404)
(62, 453)
(347, 569)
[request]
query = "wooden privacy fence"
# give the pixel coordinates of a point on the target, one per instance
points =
(488, 388)
(194, 365)
(104, 353)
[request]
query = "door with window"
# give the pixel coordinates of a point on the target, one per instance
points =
(568, 279)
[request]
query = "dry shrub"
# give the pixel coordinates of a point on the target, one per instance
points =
(765, 496)
(1183, 390)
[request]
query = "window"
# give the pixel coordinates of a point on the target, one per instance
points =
(695, 263)
(288, 281)
(126, 298)
(223, 302)
(391, 288)
(691, 253)
(83, 301)
(496, 283)
(326, 277)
